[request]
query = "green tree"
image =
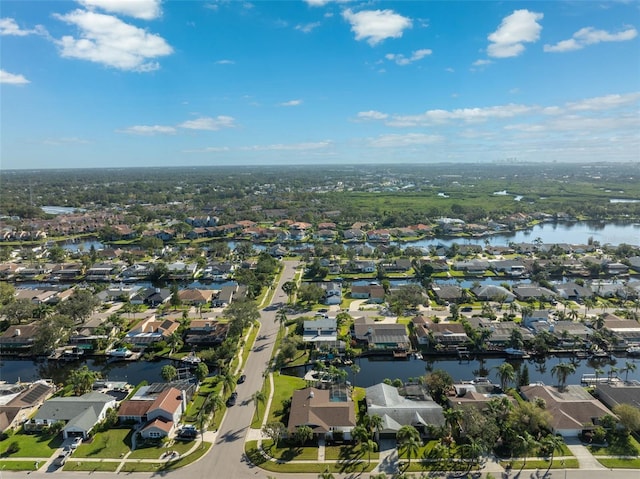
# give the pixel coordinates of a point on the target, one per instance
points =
(228, 383)
(629, 366)
(507, 374)
(175, 342)
(82, 380)
(79, 306)
(439, 382)
(258, 398)
(368, 447)
(50, 332)
(629, 416)
(242, 314)
(201, 371)
(274, 431)
(360, 434)
(281, 318)
(562, 371)
(169, 373)
(303, 434)
(175, 300)
(289, 288)
(18, 311)
(310, 293)
(551, 444)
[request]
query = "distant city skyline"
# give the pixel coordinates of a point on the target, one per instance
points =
(111, 83)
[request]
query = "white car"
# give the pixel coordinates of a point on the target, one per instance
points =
(76, 442)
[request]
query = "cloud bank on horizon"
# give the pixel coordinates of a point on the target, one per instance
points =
(153, 82)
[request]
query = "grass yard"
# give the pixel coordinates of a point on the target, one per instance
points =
(348, 452)
(31, 445)
(288, 451)
(542, 464)
(142, 466)
(620, 463)
(91, 466)
(8, 465)
(627, 446)
(154, 452)
(111, 444)
(256, 422)
(284, 387)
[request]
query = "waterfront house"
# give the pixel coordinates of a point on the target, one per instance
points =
(477, 393)
(527, 292)
(206, 333)
(332, 293)
(151, 330)
(381, 336)
(572, 409)
(18, 339)
(102, 272)
(161, 411)
(196, 297)
(19, 401)
(447, 293)
(615, 393)
(152, 297)
(574, 291)
(501, 331)
(320, 331)
(493, 293)
(373, 292)
(416, 409)
(329, 415)
(445, 334)
(627, 331)
(80, 414)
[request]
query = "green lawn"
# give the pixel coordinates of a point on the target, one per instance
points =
(288, 451)
(542, 464)
(111, 444)
(256, 422)
(284, 387)
(7, 465)
(72, 465)
(348, 452)
(142, 466)
(627, 446)
(154, 452)
(32, 445)
(620, 463)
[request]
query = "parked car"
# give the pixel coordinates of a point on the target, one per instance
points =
(232, 399)
(76, 442)
(242, 379)
(62, 457)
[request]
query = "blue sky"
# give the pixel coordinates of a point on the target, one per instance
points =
(119, 83)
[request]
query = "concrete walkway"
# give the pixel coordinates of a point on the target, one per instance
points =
(586, 460)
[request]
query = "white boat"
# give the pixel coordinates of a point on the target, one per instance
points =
(119, 353)
(633, 350)
(191, 359)
(515, 352)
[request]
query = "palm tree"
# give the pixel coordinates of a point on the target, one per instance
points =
(360, 434)
(369, 446)
(258, 397)
(527, 442)
(289, 287)
(552, 443)
(562, 371)
(375, 423)
(507, 374)
(281, 318)
(471, 451)
(216, 403)
(228, 384)
(355, 369)
(629, 367)
(598, 371)
(452, 418)
(174, 341)
(411, 445)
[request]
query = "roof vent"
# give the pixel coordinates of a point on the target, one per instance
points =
(311, 394)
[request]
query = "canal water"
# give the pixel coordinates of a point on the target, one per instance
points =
(372, 370)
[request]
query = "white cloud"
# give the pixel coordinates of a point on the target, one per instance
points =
(606, 102)
(108, 40)
(8, 26)
(307, 27)
(372, 115)
(466, 115)
(225, 62)
(12, 78)
(591, 36)
(401, 60)
(409, 139)
(209, 124)
(209, 149)
(376, 25)
(143, 9)
(482, 62)
(149, 130)
(291, 103)
(65, 141)
(289, 147)
(516, 29)
(322, 3)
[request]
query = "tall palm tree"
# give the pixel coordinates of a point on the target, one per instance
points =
(507, 374)
(174, 341)
(281, 318)
(228, 384)
(629, 367)
(562, 371)
(375, 423)
(411, 445)
(452, 418)
(369, 446)
(552, 443)
(355, 369)
(360, 434)
(303, 434)
(526, 442)
(258, 398)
